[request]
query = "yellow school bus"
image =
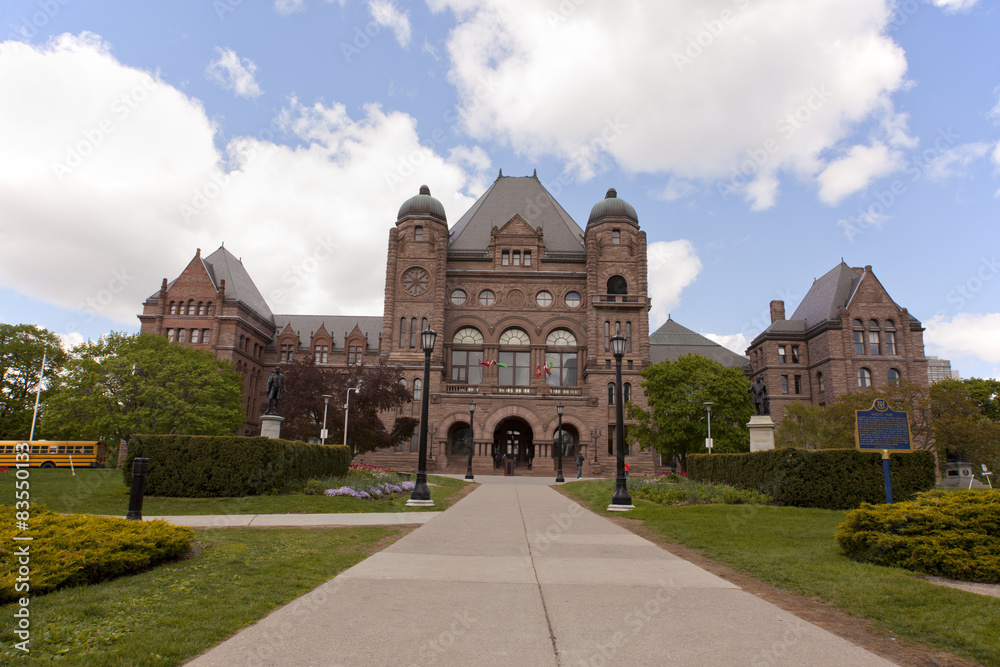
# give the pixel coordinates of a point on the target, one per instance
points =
(54, 453)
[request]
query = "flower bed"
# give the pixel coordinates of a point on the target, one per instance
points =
(673, 489)
(366, 482)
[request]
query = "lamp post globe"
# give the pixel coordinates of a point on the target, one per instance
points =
(421, 495)
(559, 444)
(621, 501)
(472, 439)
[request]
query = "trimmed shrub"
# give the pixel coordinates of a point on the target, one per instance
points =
(954, 535)
(77, 549)
(667, 492)
(826, 478)
(195, 466)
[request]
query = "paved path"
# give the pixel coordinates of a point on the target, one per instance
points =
(517, 574)
(293, 520)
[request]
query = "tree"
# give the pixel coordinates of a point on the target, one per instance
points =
(22, 349)
(676, 392)
(963, 425)
(124, 384)
(803, 426)
(380, 395)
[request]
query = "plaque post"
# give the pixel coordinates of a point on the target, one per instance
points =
(885, 475)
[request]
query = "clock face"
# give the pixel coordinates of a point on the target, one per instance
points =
(415, 281)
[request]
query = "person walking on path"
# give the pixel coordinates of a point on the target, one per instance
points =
(579, 465)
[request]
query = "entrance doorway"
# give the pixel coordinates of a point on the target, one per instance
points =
(513, 438)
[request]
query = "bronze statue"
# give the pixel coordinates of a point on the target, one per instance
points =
(758, 394)
(275, 388)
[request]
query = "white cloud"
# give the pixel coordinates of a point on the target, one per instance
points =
(231, 72)
(145, 188)
(952, 162)
(854, 171)
(964, 335)
(951, 6)
(286, 7)
(671, 266)
(676, 88)
(70, 340)
(737, 343)
(388, 15)
(676, 188)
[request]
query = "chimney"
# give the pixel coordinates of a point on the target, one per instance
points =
(777, 311)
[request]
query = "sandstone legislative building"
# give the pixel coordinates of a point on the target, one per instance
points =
(524, 302)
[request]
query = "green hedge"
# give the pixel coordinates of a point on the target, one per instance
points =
(952, 535)
(195, 466)
(825, 478)
(77, 549)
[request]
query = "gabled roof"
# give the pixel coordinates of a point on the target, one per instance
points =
(517, 195)
(336, 325)
(672, 340)
(223, 265)
(826, 296)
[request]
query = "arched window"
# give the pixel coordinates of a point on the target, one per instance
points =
(561, 363)
(201, 307)
(819, 381)
(191, 310)
(890, 338)
(181, 335)
(418, 389)
(864, 378)
(617, 285)
(611, 393)
(402, 332)
(465, 366)
(628, 336)
(515, 336)
(514, 365)
(873, 324)
(607, 335)
(413, 332)
(859, 337)
(180, 307)
(173, 307)
(211, 309)
(893, 376)
(170, 335)
(626, 392)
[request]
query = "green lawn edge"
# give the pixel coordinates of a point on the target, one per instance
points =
(793, 548)
(178, 610)
(100, 491)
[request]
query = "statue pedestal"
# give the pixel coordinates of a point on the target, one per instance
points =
(761, 433)
(270, 426)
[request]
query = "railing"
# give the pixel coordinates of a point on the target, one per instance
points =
(496, 389)
(566, 391)
(607, 299)
(462, 388)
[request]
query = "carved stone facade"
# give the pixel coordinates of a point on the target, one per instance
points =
(524, 303)
(846, 334)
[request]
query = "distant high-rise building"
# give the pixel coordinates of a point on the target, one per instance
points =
(940, 369)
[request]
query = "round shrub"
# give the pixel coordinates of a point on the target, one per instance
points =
(954, 535)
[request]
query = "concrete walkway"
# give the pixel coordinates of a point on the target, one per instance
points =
(517, 574)
(296, 520)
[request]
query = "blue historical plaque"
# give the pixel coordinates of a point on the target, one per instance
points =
(881, 428)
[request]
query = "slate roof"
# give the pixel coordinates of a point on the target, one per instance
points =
(672, 340)
(336, 325)
(223, 265)
(517, 195)
(826, 295)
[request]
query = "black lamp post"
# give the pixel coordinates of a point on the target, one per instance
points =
(559, 475)
(596, 433)
(708, 440)
(621, 501)
(472, 439)
(326, 404)
(421, 495)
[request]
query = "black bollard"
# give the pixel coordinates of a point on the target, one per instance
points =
(140, 469)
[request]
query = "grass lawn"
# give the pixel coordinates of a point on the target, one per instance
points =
(101, 491)
(793, 548)
(176, 611)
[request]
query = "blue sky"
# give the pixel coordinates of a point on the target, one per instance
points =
(759, 144)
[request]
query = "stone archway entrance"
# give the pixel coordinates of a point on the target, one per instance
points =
(514, 438)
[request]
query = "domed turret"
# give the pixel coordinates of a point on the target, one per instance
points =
(422, 206)
(612, 206)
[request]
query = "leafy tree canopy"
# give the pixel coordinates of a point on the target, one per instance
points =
(124, 384)
(964, 423)
(676, 392)
(371, 409)
(22, 349)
